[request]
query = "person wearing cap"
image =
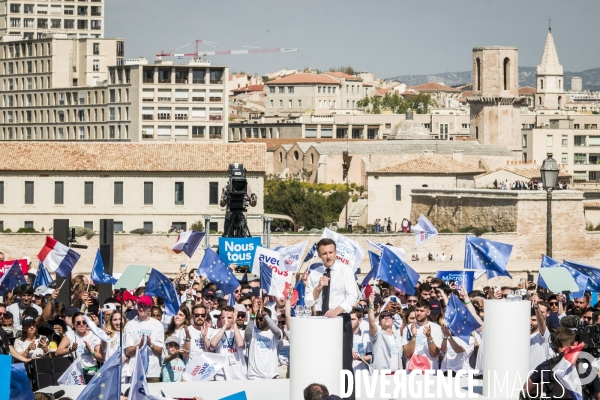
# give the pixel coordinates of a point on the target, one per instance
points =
(148, 335)
(229, 341)
(25, 301)
(209, 299)
(38, 295)
(127, 301)
(423, 340)
(262, 338)
(31, 345)
(435, 312)
(81, 343)
(386, 342)
(174, 361)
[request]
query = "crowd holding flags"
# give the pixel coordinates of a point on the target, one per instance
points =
(58, 258)
(11, 279)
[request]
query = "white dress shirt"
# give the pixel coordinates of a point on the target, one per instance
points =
(343, 291)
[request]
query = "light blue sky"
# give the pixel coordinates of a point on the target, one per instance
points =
(387, 37)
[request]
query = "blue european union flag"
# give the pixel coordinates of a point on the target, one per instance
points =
(592, 273)
(236, 396)
(374, 259)
(582, 280)
(161, 286)
(43, 277)
(11, 279)
(215, 269)
(485, 254)
(106, 383)
(20, 387)
(459, 319)
(98, 275)
(396, 272)
(311, 253)
(301, 289)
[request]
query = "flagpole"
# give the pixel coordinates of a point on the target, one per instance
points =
(61, 285)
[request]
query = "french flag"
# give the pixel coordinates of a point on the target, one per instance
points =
(274, 283)
(58, 258)
(188, 242)
(566, 371)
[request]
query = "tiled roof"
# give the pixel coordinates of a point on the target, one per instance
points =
(467, 93)
(528, 171)
(310, 79)
(380, 91)
(273, 144)
(591, 204)
(250, 88)
(429, 164)
(527, 90)
(435, 87)
(134, 157)
(348, 77)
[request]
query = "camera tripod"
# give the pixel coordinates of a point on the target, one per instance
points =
(235, 225)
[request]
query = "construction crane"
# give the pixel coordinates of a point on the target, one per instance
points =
(197, 53)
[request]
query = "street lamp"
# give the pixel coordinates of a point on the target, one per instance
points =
(549, 173)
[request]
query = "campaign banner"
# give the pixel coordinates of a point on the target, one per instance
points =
(204, 367)
(457, 279)
(73, 375)
(273, 260)
(291, 255)
(349, 252)
(5, 266)
(238, 251)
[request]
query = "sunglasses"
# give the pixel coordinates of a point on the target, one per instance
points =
(587, 318)
(385, 316)
(236, 291)
(2, 314)
(411, 301)
(199, 315)
(247, 305)
(80, 323)
(260, 319)
(280, 322)
(553, 303)
(241, 315)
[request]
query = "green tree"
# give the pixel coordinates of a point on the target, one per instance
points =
(305, 206)
(392, 101)
(347, 70)
(334, 204)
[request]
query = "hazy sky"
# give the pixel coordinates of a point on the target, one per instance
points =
(387, 37)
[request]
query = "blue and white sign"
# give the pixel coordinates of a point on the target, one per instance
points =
(238, 251)
(457, 279)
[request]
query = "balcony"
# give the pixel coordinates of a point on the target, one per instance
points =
(148, 99)
(164, 99)
(216, 81)
(42, 12)
(181, 117)
(164, 116)
(96, 13)
(197, 98)
(147, 136)
(147, 117)
(215, 99)
(96, 27)
(148, 80)
(164, 80)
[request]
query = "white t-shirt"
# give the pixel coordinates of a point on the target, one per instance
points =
(22, 345)
(262, 355)
(361, 343)
(421, 346)
(17, 311)
(111, 348)
(283, 351)
(394, 351)
(538, 349)
(135, 329)
(197, 346)
(235, 369)
(479, 360)
(82, 352)
(454, 361)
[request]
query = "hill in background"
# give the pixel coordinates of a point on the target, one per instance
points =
(590, 77)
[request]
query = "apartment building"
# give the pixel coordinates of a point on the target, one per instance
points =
(575, 146)
(169, 102)
(140, 185)
(55, 88)
(31, 19)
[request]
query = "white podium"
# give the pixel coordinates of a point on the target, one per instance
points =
(506, 347)
(315, 354)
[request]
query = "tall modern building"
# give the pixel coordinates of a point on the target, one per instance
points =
(30, 19)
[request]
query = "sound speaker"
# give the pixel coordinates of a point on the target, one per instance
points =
(60, 232)
(107, 234)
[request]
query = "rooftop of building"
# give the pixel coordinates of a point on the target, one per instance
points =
(434, 164)
(130, 157)
(273, 144)
(304, 78)
(434, 87)
(249, 88)
(344, 75)
(526, 90)
(528, 171)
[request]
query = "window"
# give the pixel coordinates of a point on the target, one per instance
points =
(88, 195)
(281, 89)
(271, 103)
(118, 193)
(148, 226)
(398, 192)
(564, 141)
(28, 192)
(88, 225)
(213, 226)
(281, 103)
(290, 105)
(213, 193)
(148, 193)
(28, 224)
(198, 131)
(96, 48)
(576, 126)
(118, 226)
(564, 158)
(96, 65)
(1, 192)
(299, 103)
(59, 192)
(579, 158)
(579, 141)
(271, 89)
(524, 140)
(506, 73)
(319, 89)
(179, 225)
(179, 193)
(580, 175)
(549, 140)
(541, 85)
(290, 89)
(443, 131)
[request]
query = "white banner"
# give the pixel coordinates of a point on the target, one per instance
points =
(292, 256)
(424, 230)
(349, 252)
(99, 332)
(270, 257)
(73, 375)
(204, 367)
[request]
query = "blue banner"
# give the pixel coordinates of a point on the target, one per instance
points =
(457, 279)
(238, 251)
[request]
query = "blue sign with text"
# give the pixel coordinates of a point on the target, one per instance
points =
(457, 279)
(238, 251)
